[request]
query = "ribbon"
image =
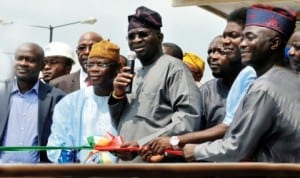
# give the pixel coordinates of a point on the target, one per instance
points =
(108, 142)
(135, 149)
(112, 143)
(42, 148)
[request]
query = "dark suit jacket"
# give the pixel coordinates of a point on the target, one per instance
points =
(67, 83)
(48, 97)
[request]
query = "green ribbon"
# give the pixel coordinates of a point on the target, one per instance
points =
(43, 148)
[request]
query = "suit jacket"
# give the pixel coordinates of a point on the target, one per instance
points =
(47, 98)
(67, 83)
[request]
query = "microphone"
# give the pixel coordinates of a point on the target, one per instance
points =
(130, 63)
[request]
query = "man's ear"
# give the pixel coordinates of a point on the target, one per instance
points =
(68, 69)
(160, 37)
(276, 43)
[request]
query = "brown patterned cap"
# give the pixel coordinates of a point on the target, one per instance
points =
(105, 49)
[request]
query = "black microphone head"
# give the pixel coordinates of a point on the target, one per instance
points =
(130, 62)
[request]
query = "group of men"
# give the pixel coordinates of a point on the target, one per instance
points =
(260, 126)
(249, 112)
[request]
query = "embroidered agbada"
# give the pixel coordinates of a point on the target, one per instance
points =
(163, 93)
(266, 126)
(79, 115)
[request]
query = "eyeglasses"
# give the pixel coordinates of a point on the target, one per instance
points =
(84, 47)
(52, 62)
(100, 65)
(140, 34)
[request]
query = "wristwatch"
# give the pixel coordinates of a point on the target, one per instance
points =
(174, 141)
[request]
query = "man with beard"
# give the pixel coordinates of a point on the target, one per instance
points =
(265, 127)
(225, 67)
(164, 98)
(79, 79)
(26, 107)
(84, 113)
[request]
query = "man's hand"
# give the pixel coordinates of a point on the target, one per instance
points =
(148, 156)
(126, 155)
(159, 145)
(188, 152)
(121, 81)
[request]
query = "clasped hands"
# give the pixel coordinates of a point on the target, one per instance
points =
(154, 151)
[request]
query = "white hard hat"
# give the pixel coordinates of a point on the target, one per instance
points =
(59, 49)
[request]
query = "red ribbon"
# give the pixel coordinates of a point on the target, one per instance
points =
(116, 142)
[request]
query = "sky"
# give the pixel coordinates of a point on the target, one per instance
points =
(191, 27)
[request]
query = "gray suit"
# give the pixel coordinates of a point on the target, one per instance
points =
(48, 97)
(67, 83)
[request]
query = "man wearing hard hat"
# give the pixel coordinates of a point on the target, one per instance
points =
(59, 58)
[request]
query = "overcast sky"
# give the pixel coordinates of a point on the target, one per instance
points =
(191, 27)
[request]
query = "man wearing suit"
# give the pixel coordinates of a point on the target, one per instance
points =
(27, 107)
(79, 79)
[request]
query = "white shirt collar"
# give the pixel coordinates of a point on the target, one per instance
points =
(82, 78)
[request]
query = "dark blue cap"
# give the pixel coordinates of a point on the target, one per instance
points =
(146, 18)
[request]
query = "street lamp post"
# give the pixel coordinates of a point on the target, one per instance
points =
(51, 28)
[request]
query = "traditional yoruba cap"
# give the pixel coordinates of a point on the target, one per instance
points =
(105, 49)
(194, 60)
(59, 49)
(146, 18)
(278, 19)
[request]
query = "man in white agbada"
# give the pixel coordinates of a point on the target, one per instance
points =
(84, 113)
